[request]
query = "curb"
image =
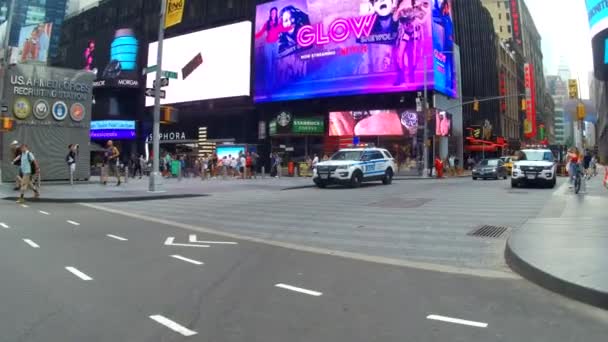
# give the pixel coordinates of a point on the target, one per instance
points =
(563, 287)
(105, 200)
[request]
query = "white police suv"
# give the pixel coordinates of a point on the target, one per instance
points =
(352, 166)
(534, 167)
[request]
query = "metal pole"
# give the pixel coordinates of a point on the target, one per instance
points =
(5, 55)
(425, 136)
(155, 177)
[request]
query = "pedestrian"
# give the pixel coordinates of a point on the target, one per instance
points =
(315, 161)
(243, 166)
(587, 164)
(29, 166)
(16, 152)
(452, 164)
(225, 166)
(113, 155)
(277, 161)
(70, 159)
(249, 165)
(204, 166)
(142, 165)
(255, 158)
(235, 166)
(273, 171)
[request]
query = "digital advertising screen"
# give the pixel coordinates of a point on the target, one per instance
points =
(597, 12)
(312, 48)
(34, 43)
(113, 129)
(384, 122)
(229, 151)
(443, 124)
(210, 64)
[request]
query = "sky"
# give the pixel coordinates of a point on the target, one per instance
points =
(564, 30)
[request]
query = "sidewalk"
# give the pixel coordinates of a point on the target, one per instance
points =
(565, 249)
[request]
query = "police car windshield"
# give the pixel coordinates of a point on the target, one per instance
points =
(347, 155)
(537, 155)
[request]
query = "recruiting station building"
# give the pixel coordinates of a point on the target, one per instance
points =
(361, 69)
(52, 109)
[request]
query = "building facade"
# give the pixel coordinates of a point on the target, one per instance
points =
(562, 123)
(509, 87)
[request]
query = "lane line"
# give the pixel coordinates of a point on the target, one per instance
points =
(299, 289)
(77, 273)
(172, 325)
(4, 225)
(457, 321)
(117, 237)
(193, 239)
(187, 260)
(43, 212)
(73, 222)
(31, 243)
(25, 206)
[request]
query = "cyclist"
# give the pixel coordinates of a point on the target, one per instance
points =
(573, 164)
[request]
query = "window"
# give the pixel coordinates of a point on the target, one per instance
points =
(498, 4)
(508, 16)
(376, 155)
(499, 16)
(501, 29)
(506, 4)
(509, 28)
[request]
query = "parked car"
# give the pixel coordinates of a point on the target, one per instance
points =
(508, 161)
(490, 168)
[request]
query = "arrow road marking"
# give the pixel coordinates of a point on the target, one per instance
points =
(299, 289)
(172, 325)
(116, 237)
(31, 243)
(169, 242)
(187, 260)
(457, 321)
(194, 240)
(79, 274)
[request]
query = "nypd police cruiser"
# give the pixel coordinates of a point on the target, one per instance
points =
(352, 166)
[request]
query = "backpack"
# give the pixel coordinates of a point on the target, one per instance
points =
(33, 163)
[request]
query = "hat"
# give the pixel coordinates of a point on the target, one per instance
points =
(14, 143)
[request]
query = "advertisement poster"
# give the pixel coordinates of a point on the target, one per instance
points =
(315, 48)
(384, 122)
(210, 64)
(113, 129)
(34, 43)
(121, 70)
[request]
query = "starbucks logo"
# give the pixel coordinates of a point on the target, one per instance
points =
(284, 119)
(22, 108)
(41, 109)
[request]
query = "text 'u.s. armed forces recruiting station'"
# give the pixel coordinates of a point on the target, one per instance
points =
(35, 87)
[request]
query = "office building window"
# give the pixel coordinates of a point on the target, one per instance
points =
(498, 4)
(499, 16)
(500, 29)
(506, 4)
(509, 28)
(508, 16)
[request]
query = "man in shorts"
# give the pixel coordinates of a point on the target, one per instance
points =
(113, 153)
(29, 168)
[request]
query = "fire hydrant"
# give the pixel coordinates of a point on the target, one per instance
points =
(439, 167)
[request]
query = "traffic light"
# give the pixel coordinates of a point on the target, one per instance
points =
(6, 124)
(523, 104)
(580, 111)
(475, 105)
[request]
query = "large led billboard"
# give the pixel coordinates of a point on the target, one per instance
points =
(210, 64)
(384, 122)
(34, 43)
(597, 12)
(313, 48)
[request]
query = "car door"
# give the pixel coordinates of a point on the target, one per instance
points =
(378, 164)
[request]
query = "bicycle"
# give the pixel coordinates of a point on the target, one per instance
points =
(578, 175)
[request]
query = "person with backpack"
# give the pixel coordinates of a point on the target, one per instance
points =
(29, 167)
(16, 150)
(70, 159)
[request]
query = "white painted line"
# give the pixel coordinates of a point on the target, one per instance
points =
(4, 225)
(457, 321)
(299, 289)
(187, 260)
(169, 242)
(193, 239)
(78, 273)
(25, 206)
(73, 222)
(43, 212)
(173, 326)
(117, 237)
(31, 243)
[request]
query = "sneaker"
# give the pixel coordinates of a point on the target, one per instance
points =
(20, 200)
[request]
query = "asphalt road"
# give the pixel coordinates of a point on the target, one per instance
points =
(73, 273)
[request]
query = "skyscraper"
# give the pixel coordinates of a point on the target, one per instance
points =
(29, 12)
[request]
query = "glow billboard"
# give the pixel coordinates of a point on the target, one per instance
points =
(314, 48)
(211, 64)
(384, 122)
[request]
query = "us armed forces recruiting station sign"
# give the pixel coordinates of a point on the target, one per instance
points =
(52, 109)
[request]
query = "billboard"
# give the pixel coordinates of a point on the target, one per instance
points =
(597, 13)
(113, 129)
(121, 69)
(384, 122)
(33, 45)
(312, 48)
(530, 121)
(211, 64)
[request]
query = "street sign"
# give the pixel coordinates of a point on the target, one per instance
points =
(150, 93)
(4, 109)
(150, 69)
(164, 82)
(169, 74)
(175, 12)
(573, 89)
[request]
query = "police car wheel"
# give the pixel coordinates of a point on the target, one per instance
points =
(388, 177)
(356, 179)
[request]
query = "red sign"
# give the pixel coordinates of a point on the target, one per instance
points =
(515, 21)
(502, 88)
(530, 122)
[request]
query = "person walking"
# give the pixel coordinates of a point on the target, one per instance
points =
(141, 165)
(16, 152)
(277, 161)
(70, 159)
(113, 154)
(249, 165)
(315, 161)
(255, 158)
(243, 166)
(204, 166)
(29, 166)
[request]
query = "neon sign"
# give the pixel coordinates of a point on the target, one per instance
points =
(338, 31)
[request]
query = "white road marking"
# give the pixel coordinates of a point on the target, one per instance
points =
(187, 260)
(78, 273)
(193, 239)
(73, 222)
(299, 289)
(457, 321)
(31, 243)
(25, 206)
(169, 242)
(4, 225)
(43, 212)
(117, 237)
(172, 325)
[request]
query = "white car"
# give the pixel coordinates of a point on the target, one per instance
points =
(352, 166)
(535, 167)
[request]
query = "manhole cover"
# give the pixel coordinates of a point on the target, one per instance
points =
(488, 231)
(400, 203)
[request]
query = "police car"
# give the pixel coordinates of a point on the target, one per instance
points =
(535, 166)
(352, 166)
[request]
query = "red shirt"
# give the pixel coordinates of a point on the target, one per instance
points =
(272, 35)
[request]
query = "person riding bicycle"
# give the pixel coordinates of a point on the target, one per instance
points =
(574, 160)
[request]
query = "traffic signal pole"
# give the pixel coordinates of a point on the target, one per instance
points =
(155, 176)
